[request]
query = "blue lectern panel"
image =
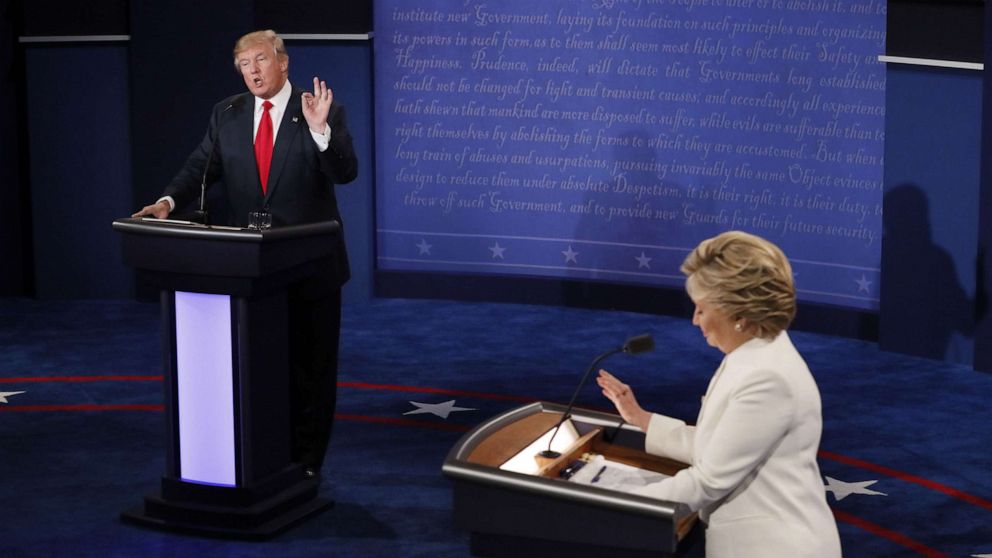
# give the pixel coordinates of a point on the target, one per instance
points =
(602, 140)
(204, 381)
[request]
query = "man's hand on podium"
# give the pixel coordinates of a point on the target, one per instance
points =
(159, 210)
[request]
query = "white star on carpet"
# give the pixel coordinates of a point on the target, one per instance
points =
(643, 261)
(438, 409)
(981, 556)
(863, 284)
(4, 394)
(497, 250)
(570, 255)
(424, 247)
(843, 489)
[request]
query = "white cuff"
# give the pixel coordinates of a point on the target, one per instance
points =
(322, 140)
(172, 202)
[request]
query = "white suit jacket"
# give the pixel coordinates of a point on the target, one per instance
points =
(753, 475)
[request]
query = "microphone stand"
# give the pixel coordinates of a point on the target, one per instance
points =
(634, 345)
(549, 453)
(201, 215)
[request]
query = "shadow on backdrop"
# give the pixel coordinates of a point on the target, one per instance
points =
(640, 212)
(924, 309)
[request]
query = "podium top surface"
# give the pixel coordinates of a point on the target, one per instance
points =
(189, 230)
(228, 260)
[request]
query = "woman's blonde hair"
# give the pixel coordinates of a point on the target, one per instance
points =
(745, 277)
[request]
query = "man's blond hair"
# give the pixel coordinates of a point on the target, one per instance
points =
(264, 37)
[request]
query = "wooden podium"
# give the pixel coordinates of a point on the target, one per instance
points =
(511, 514)
(228, 469)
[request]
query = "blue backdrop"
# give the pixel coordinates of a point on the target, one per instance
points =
(602, 140)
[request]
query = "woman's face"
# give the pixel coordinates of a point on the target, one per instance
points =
(717, 327)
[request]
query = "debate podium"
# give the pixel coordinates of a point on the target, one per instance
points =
(514, 514)
(225, 345)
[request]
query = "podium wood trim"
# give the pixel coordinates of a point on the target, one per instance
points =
(498, 448)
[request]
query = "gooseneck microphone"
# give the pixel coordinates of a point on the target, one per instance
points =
(201, 215)
(635, 345)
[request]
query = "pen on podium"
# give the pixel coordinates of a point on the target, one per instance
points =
(598, 474)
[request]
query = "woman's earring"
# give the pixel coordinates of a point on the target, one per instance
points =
(738, 328)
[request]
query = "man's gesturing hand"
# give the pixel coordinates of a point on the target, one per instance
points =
(316, 106)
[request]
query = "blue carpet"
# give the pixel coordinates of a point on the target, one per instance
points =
(85, 439)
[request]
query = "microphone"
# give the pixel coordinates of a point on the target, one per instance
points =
(201, 215)
(635, 345)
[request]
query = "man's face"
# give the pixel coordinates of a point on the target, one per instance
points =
(263, 71)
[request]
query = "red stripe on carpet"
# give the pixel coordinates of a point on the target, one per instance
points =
(479, 395)
(898, 538)
(403, 422)
(980, 502)
(81, 407)
(159, 408)
(81, 379)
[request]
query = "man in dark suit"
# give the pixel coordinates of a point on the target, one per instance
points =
(281, 150)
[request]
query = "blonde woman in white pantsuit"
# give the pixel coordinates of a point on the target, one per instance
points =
(753, 475)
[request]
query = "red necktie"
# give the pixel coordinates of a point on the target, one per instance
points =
(263, 146)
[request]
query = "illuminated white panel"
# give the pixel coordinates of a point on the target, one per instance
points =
(524, 461)
(205, 384)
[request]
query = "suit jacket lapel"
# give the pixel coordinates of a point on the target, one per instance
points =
(291, 124)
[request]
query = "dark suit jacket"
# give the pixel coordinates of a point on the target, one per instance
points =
(301, 179)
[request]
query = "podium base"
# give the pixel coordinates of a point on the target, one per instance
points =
(260, 521)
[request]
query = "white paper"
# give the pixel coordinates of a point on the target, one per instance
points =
(613, 475)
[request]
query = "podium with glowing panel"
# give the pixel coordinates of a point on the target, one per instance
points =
(225, 346)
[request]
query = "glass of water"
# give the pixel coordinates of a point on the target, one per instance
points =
(259, 220)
